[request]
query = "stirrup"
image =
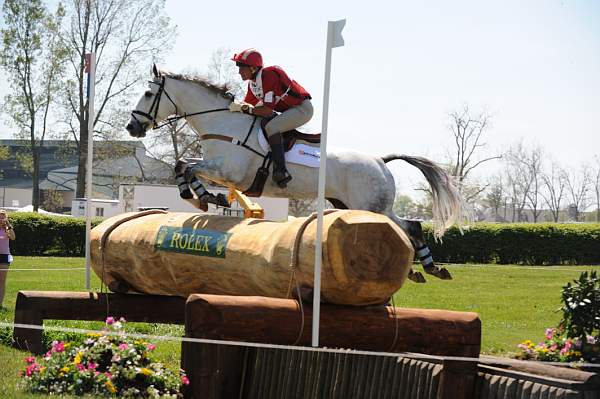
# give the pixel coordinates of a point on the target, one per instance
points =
(281, 181)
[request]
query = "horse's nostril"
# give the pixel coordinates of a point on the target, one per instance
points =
(129, 127)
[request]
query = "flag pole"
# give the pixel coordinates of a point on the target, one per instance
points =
(334, 39)
(90, 68)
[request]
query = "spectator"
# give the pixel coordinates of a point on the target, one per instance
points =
(6, 233)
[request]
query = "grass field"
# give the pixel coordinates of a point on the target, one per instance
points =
(514, 303)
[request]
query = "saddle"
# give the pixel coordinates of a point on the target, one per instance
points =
(291, 136)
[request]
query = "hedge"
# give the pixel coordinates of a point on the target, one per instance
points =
(38, 234)
(529, 244)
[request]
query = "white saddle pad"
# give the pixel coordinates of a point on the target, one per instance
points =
(301, 154)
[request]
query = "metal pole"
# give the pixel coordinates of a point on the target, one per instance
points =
(334, 39)
(91, 70)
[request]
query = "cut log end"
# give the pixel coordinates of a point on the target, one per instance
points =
(372, 251)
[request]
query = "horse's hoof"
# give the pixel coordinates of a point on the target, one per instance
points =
(445, 274)
(196, 203)
(416, 277)
(221, 200)
(439, 272)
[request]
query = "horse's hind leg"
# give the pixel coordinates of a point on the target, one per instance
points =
(424, 255)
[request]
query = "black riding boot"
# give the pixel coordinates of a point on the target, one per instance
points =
(281, 177)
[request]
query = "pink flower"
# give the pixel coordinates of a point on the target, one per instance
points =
(30, 359)
(110, 320)
(80, 367)
(151, 347)
(92, 366)
(567, 347)
(123, 346)
(58, 346)
(30, 369)
(108, 375)
(549, 333)
(122, 320)
(185, 380)
(553, 347)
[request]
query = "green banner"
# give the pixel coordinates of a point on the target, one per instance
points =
(191, 241)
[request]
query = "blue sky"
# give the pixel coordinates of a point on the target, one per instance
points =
(535, 66)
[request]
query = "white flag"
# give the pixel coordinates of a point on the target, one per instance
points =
(335, 30)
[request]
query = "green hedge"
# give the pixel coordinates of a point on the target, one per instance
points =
(530, 244)
(38, 234)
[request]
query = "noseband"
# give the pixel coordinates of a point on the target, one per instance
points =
(153, 111)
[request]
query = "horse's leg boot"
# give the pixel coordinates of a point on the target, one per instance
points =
(281, 176)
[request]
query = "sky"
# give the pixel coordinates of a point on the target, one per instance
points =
(534, 66)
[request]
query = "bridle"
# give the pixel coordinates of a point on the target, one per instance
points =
(153, 111)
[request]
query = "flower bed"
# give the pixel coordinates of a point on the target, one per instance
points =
(107, 364)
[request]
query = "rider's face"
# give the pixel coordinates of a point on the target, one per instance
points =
(245, 72)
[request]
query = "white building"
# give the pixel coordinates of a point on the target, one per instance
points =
(139, 196)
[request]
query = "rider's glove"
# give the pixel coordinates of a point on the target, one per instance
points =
(237, 107)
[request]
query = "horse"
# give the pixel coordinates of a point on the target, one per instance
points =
(232, 155)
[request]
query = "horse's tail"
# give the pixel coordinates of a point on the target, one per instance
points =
(448, 205)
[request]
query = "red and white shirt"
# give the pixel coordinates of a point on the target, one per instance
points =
(273, 88)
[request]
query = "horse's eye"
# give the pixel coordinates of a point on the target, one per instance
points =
(148, 94)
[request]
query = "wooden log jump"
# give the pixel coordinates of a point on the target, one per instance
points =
(215, 371)
(33, 307)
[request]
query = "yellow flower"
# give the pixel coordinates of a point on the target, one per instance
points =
(67, 344)
(93, 335)
(110, 386)
(65, 369)
(77, 359)
(145, 371)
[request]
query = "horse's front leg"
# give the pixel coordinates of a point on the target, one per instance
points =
(186, 179)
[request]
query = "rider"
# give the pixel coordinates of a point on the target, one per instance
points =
(271, 93)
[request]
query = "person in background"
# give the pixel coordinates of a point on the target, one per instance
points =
(6, 234)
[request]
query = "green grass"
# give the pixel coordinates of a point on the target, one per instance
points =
(514, 303)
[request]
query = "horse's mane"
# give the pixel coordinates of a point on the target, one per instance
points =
(222, 89)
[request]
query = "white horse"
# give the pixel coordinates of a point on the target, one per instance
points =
(232, 155)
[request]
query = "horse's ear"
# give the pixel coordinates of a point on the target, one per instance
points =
(155, 71)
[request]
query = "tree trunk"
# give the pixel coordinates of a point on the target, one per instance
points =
(35, 198)
(82, 162)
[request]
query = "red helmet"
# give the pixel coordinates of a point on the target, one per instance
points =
(249, 57)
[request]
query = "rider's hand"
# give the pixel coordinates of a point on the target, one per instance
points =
(235, 107)
(243, 108)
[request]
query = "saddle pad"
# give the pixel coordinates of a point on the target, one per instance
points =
(301, 154)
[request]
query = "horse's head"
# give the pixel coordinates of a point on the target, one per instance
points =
(154, 106)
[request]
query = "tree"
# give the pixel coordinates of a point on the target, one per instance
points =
(124, 35)
(554, 183)
(596, 185)
(495, 196)
(518, 179)
(33, 58)
(532, 161)
(222, 71)
(468, 131)
(405, 207)
(578, 184)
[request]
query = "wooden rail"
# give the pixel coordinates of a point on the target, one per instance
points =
(33, 307)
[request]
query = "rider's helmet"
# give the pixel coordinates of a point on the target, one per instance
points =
(248, 57)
